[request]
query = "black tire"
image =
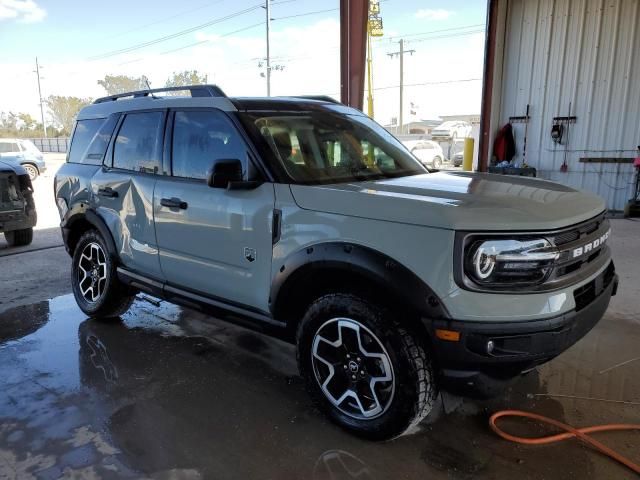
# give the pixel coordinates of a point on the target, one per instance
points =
(437, 162)
(413, 389)
(18, 238)
(112, 298)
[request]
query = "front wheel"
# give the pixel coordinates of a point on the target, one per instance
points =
(437, 163)
(32, 170)
(96, 287)
(17, 238)
(365, 370)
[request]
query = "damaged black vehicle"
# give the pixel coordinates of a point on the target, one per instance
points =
(17, 208)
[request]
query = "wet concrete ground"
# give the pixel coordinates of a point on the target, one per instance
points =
(168, 393)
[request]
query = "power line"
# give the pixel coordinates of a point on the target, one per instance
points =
(418, 34)
(308, 13)
(444, 82)
(451, 35)
(195, 44)
(162, 20)
(174, 35)
(201, 42)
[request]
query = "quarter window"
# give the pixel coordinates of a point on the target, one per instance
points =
(137, 146)
(200, 139)
(98, 146)
(82, 135)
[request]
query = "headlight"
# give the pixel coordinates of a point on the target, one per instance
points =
(509, 262)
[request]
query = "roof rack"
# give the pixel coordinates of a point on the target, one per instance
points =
(195, 90)
(324, 98)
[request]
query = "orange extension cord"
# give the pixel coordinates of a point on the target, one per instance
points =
(580, 433)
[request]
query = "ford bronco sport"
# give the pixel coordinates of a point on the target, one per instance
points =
(17, 207)
(305, 216)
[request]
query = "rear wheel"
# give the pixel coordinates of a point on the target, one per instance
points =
(96, 287)
(365, 370)
(32, 170)
(17, 238)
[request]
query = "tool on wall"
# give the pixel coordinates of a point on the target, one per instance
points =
(557, 132)
(523, 119)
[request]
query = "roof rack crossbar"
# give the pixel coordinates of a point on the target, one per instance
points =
(194, 90)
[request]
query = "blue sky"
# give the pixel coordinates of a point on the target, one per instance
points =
(66, 36)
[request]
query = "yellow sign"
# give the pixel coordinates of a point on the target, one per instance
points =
(375, 27)
(374, 7)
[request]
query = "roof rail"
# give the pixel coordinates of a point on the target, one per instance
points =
(195, 90)
(324, 98)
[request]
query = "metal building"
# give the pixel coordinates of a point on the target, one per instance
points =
(552, 53)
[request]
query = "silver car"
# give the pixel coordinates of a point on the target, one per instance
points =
(25, 153)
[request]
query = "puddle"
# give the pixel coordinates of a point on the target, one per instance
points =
(171, 393)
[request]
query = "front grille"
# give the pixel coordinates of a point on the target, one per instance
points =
(587, 293)
(579, 231)
(576, 237)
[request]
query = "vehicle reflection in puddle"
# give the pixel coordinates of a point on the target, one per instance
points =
(169, 393)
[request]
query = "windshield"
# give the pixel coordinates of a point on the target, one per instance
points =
(447, 125)
(323, 147)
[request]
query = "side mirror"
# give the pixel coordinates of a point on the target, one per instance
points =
(228, 174)
(224, 172)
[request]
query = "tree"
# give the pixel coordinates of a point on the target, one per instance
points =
(28, 122)
(115, 84)
(185, 78)
(64, 110)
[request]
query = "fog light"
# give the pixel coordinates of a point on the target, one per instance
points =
(490, 346)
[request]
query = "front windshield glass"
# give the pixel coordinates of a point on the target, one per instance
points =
(323, 147)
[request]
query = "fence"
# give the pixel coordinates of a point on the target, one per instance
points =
(51, 145)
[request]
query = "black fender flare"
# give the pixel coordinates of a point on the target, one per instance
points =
(83, 214)
(363, 261)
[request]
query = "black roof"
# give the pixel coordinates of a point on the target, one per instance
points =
(302, 103)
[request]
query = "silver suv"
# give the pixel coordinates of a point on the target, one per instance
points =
(305, 216)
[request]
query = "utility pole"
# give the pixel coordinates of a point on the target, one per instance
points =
(44, 125)
(400, 54)
(268, 10)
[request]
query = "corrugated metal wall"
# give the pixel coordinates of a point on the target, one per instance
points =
(586, 52)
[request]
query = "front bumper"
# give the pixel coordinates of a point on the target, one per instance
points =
(468, 366)
(17, 221)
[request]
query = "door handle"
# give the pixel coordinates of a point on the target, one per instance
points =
(107, 192)
(173, 202)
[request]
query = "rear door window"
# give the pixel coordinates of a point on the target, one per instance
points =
(9, 147)
(82, 135)
(138, 144)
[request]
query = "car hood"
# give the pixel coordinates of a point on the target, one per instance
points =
(12, 167)
(456, 200)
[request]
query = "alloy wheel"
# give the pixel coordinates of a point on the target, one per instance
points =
(92, 272)
(353, 368)
(32, 171)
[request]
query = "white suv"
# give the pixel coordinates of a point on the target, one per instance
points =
(307, 218)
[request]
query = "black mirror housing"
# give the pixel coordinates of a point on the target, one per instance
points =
(225, 172)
